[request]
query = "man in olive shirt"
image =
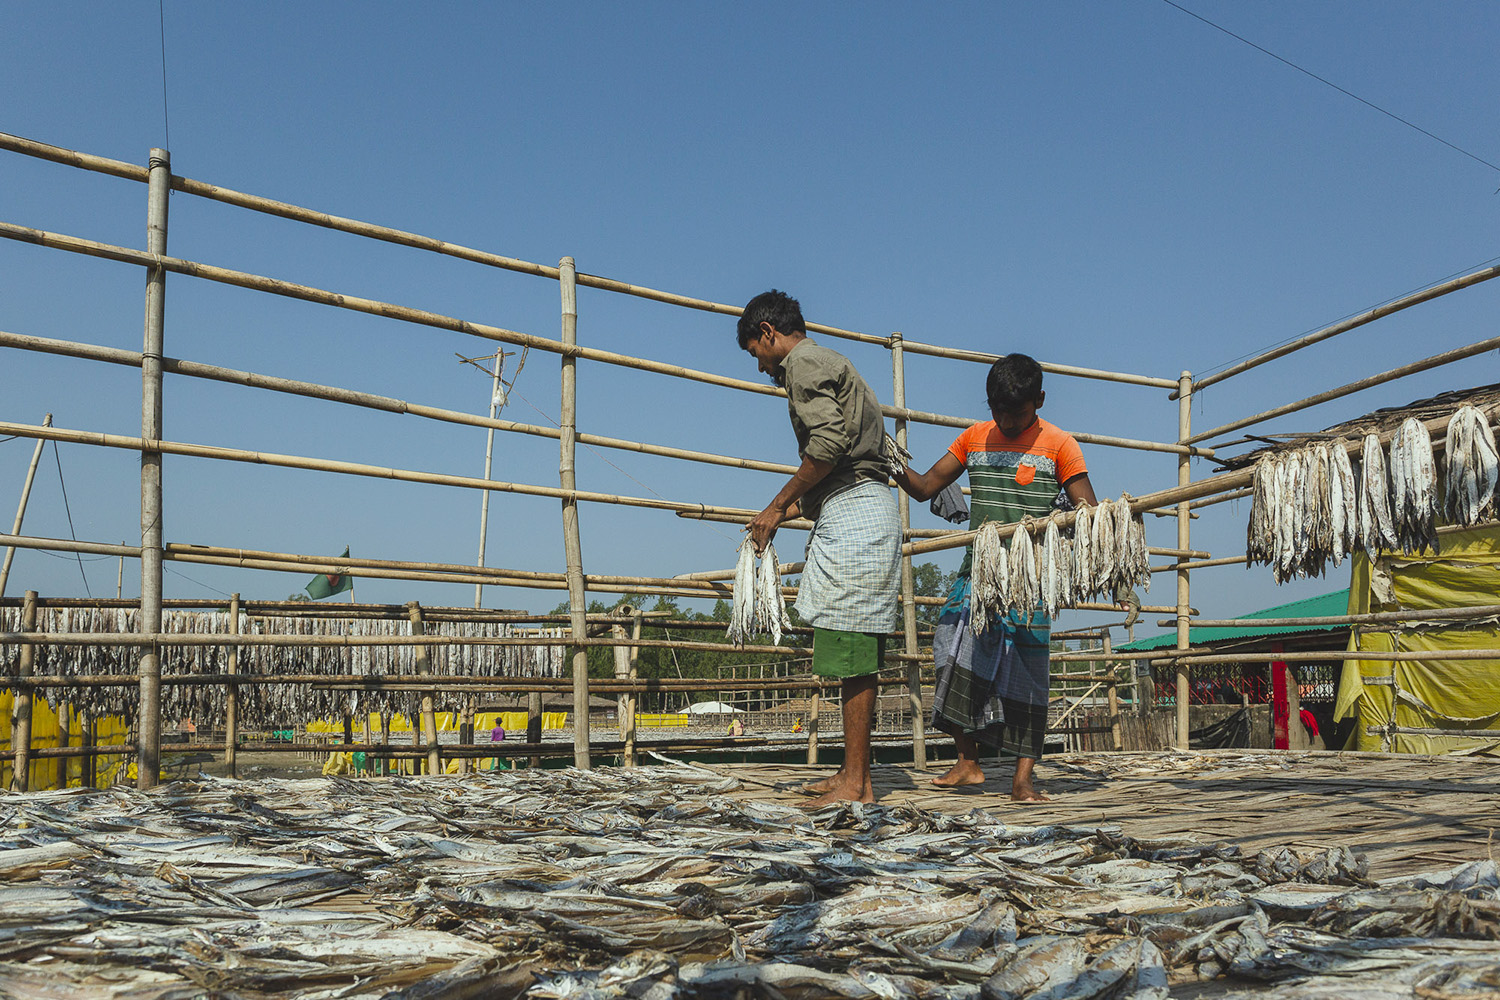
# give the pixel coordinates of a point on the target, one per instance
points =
(851, 581)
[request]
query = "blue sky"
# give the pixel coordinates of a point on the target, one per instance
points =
(1112, 185)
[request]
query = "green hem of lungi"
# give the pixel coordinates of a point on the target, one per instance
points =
(846, 654)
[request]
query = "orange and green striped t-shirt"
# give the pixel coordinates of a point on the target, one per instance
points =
(1010, 478)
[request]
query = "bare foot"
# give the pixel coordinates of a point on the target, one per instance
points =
(1029, 794)
(961, 774)
(842, 792)
(823, 785)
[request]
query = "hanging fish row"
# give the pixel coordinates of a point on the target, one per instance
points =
(1104, 551)
(264, 703)
(1311, 506)
(758, 604)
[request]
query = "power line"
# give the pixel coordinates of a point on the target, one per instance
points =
(198, 582)
(161, 11)
(1330, 83)
(71, 533)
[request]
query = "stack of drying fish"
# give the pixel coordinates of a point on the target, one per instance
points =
(261, 704)
(655, 883)
(1310, 506)
(758, 603)
(1103, 551)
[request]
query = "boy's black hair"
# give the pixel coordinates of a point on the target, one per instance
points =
(777, 308)
(1014, 380)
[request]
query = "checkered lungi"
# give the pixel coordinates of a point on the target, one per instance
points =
(852, 578)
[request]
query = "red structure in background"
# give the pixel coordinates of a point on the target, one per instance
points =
(1280, 703)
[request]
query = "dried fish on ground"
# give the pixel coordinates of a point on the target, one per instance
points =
(655, 882)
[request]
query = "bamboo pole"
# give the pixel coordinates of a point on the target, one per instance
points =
(908, 580)
(306, 293)
(1184, 541)
(20, 705)
(1344, 326)
(310, 216)
(10, 551)
(1114, 701)
(385, 739)
(87, 774)
(489, 452)
(813, 707)
(149, 721)
(232, 695)
(352, 397)
(572, 546)
(429, 718)
(1434, 361)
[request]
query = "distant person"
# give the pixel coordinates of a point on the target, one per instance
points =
(852, 574)
(992, 688)
(736, 728)
(497, 735)
(797, 726)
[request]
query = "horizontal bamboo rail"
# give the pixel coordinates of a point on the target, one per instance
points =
(1344, 326)
(1434, 361)
(353, 397)
(454, 684)
(1200, 564)
(1372, 618)
(268, 206)
(1320, 656)
(151, 639)
(307, 293)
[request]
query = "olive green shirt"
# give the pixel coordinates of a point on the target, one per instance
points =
(836, 418)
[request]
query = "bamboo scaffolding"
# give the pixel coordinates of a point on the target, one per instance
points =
(572, 547)
(424, 672)
(908, 580)
(465, 683)
(148, 724)
(1344, 326)
(10, 552)
(232, 695)
(1434, 361)
(297, 213)
(307, 293)
(353, 397)
(1184, 542)
(1371, 618)
(20, 706)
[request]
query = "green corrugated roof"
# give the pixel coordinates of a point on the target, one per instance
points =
(1336, 603)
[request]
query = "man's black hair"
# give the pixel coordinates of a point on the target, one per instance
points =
(777, 308)
(1014, 380)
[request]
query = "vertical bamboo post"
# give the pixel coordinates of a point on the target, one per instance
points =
(232, 697)
(466, 727)
(385, 741)
(364, 737)
(86, 740)
(64, 739)
(148, 754)
(908, 581)
(577, 599)
(20, 705)
(812, 726)
(428, 726)
(484, 499)
(1114, 698)
(1184, 538)
(119, 578)
(625, 667)
(36, 457)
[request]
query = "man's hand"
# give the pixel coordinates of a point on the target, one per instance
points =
(763, 527)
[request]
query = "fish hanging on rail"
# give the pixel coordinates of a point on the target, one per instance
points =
(1414, 488)
(758, 605)
(1470, 467)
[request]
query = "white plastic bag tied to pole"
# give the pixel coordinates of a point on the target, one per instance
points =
(758, 604)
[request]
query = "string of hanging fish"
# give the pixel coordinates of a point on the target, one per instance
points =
(1316, 504)
(759, 607)
(1045, 566)
(260, 704)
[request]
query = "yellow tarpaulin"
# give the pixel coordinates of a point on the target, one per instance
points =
(63, 772)
(1426, 694)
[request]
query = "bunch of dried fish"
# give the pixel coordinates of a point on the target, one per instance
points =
(668, 881)
(1103, 552)
(1471, 467)
(1377, 523)
(261, 704)
(1414, 488)
(759, 606)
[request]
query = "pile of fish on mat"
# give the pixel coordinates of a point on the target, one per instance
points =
(1310, 506)
(264, 703)
(1102, 551)
(657, 883)
(759, 606)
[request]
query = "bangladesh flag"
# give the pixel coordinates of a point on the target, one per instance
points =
(322, 585)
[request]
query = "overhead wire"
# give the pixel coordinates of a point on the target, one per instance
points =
(67, 510)
(1330, 83)
(161, 11)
